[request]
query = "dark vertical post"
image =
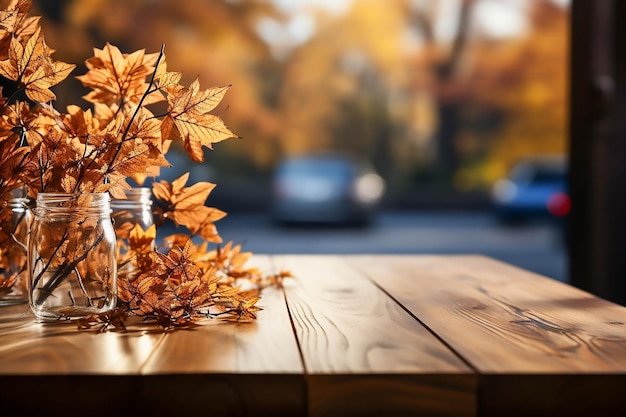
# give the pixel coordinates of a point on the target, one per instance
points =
(615, 196)
(597, 154)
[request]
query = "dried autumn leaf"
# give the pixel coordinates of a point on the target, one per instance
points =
(192, 296)
(96, 150)
(115, 185)
(79, 123)
(8, 18)
(31, 121)
(180, 262)
(137, 159)
(114, 318)
(238, 258)
(127, 292)
(243, 311)
(201, 222)
(151, 303)
(11, 158)
(48, 162)
(177, 239)
(186, 206)
(189, 113)
(140, 240)
(118, 78)
(15, 22)
(193, 196)
(32, 68)
(48, 74)
(153, 279)
(165, 191)
(167, 81)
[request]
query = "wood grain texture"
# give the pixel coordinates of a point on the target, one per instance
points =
(362, 352)
(355, 335)
(54, 369)
(266, 345)
(234, 368)
(222, 368)
(510, 323)
(60, 348)
(15, 316)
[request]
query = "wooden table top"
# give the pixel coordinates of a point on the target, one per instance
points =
(356, 335)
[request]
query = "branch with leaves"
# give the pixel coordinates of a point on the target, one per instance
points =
(43, 149)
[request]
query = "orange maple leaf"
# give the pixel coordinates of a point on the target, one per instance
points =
(118, 79)
(16, 23)
(32, 68)
(186, 206)
(189, 112)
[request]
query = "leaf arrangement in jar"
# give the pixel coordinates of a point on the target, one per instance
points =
(77, 151)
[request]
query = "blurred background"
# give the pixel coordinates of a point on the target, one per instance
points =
(367, 126)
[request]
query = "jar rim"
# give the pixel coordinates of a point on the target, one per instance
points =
(64, 204)
(141, 195)
(45, 196)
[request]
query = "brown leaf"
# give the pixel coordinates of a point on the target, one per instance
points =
(116, 78)
(31, 65)
(140, 240)
(186, 206)
(193, 196)
(189, 112)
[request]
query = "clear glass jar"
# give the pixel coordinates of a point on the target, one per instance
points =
(71, 256)
(14, 260)
(136, 209)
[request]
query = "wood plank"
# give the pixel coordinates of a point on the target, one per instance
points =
(231, 369)
(264, 345)
(543, 347)
(56, 369)
(364, 355)
(64, 395)
(60, 348)
(15, 316)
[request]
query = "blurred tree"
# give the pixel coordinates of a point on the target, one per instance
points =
(337, 86)
(215, 41)
(382, 80)
(445, 61)
(498, 99)
(517, 93)
(350, 88)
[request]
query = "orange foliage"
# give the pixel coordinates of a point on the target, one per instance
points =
(368, 81)
(527, 81)
(83, 151)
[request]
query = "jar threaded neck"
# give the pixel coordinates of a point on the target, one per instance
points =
(135, 198)
(78, 204)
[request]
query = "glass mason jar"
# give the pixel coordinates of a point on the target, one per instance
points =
(13, 258)
(136, 209)
(71, 256)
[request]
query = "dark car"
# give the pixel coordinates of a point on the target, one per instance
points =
(325, 188)
(536, 188)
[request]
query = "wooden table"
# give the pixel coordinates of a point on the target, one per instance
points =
(349, 336)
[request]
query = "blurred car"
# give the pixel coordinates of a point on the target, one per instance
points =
(325, 188)
(536, 188)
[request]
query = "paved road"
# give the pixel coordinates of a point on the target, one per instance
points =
(536, 247)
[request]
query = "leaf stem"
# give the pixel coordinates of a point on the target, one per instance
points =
(66, 269)
(139, 105)
(40, 259)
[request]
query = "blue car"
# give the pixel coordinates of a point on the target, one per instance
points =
(536, 188)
